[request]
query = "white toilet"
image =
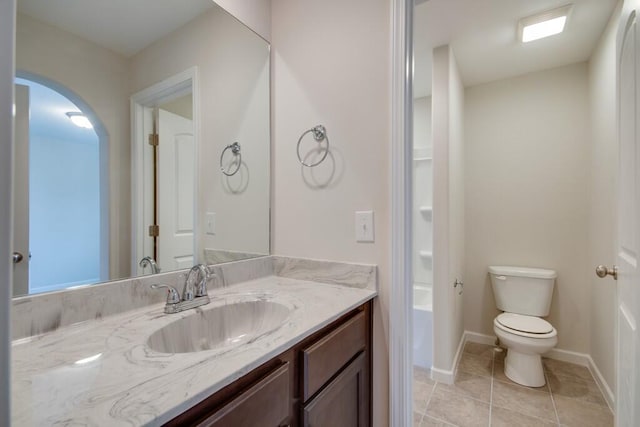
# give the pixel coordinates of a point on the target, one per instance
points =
(524, 294)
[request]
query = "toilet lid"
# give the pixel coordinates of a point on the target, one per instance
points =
(522, 323)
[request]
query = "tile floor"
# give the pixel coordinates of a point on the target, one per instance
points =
(483, 396)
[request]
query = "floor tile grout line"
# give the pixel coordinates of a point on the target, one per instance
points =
(523, 387)
(433, 389)
(421, 417)
(425, 409)
(466, 396)
(432, 417)
(553, 401)
(513, 383)
(511, 409)
(493, 371)
(440, 420)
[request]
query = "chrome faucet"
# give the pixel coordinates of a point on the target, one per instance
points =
(192, 296)
(150, 262)
(189, 291)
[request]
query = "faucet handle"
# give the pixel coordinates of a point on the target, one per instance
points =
(173, 297)
(207, 274)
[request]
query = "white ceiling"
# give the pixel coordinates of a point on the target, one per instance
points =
(483, 35)
(124, 26)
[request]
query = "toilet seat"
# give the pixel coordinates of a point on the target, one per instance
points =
(525, 326)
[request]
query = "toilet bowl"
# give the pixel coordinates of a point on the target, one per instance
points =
(524, 295)
(526, 339)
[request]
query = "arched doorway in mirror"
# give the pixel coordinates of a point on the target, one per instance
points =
(61, 216)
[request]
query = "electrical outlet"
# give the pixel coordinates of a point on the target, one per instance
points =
(210, 223)
(364, 226)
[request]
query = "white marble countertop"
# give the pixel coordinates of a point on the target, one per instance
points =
(130, 385)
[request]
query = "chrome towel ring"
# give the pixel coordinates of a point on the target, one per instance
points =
(319, 134)
(235, 149)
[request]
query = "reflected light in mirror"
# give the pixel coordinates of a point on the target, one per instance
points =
(88, 359)
(80, 120)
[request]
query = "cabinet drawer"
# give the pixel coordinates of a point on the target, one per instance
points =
(344, 401)
(265, 404)
(325, 358)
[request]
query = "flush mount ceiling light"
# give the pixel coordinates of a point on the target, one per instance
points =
(80, 120)
(544, 24)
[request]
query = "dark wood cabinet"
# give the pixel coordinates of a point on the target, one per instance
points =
(344, 401)
(323, 359)
(324, 380)
(265, 403)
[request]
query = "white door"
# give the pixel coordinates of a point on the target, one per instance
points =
(176, 197)
(21, 194)
(628, 256)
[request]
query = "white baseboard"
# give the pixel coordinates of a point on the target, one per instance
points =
(602, 384)
(442, 376)
(447, 376)
(581, 359)
(479, 338)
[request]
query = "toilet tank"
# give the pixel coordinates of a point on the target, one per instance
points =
(523, 290)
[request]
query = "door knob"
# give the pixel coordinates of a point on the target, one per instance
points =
(603, 271)
(16, 257)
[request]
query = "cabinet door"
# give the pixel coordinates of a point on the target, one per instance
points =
(322, 360)
(344, 402)
(266, 404)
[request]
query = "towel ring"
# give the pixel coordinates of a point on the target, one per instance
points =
(319, 134)
(235, 149)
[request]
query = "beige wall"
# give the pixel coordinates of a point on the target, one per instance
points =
(448, 209)
(101, 78)
(255, 14)
(234, 102)
(603, 198)
(331, 66)
(527, 193)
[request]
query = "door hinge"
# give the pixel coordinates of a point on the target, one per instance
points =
(154, 139)
(154, 230)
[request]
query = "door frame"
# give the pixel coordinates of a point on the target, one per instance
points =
(171, 88)
(7, 73)
(400, 312)
(104, 160)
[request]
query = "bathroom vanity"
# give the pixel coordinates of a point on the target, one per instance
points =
(291, 346)
(323, 380)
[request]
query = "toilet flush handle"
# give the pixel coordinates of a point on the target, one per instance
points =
(457, 283)
(500, 277)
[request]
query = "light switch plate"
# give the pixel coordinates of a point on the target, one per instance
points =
(364, 226)
(210, 224)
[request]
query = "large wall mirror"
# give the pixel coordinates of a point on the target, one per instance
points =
(142, 140)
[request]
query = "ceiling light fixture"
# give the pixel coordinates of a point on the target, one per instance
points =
(544, 24)
(80, 120)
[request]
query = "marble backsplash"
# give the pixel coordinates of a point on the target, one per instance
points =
(217, 256)
(331, 272)
(37, 314)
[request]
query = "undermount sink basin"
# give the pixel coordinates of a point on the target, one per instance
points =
(220, 328)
